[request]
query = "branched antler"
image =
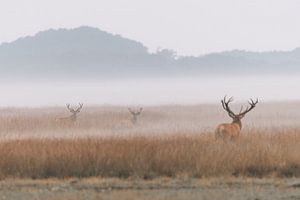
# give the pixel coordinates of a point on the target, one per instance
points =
(135, 112)
(252, 104)
(69, 108)
(72, 110)
(225, 104)
(131, 111)
(79, 108)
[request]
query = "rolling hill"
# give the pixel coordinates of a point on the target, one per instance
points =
(90, 53)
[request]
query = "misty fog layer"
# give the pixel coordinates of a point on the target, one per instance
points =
(149, 92)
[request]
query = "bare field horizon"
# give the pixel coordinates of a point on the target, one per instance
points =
(115, 121)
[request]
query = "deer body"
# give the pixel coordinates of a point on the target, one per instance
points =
(232, 130)
(71, 118)
(228, 130)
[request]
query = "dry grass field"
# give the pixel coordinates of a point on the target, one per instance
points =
(167, 142)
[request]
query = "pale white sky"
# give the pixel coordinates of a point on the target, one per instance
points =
(191, 27)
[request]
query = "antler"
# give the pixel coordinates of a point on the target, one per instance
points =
(139, 112)
(225, 105)
(129, 109)
(69, 108)
(72, 109)
(79, 108)
(135, 112)
(252, 105)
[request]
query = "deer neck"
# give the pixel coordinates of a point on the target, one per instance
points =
(134, 117)
(238, 122)
(73, 117)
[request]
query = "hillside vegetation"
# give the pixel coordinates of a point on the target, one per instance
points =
(86, 52)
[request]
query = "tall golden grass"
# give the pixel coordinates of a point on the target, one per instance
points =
(168, 141)
(258, 155)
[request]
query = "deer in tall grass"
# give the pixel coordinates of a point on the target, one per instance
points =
(73, 117)
(135, 114)
(232, 130)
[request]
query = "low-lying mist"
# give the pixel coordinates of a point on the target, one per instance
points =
(149, 91)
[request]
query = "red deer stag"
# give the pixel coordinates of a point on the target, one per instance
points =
(73, 117)
(232, 130)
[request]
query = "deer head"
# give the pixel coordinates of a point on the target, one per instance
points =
(135, 114)
(237, 117)
(74, 112)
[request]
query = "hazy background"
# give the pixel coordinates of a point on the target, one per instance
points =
(190, 27)
(186, 91)
(148, 52)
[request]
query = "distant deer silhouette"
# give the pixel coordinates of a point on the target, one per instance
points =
(135, 114)
(232, 130)
(73, 117)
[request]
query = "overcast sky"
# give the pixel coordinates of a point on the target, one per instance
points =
(191, 27)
